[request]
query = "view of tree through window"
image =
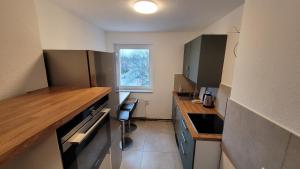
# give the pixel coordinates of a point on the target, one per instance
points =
(134, 68)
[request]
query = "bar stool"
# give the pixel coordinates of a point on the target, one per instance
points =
(126, 141)
(130, 106)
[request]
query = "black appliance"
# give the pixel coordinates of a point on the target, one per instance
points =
(207, 123)
(85, 139)
(85, 68)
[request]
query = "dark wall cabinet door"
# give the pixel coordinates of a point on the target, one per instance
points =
(194, 59)
(211, 60)
(186, 59)
(203, 60)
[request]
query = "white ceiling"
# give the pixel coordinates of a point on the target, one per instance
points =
(173, 15)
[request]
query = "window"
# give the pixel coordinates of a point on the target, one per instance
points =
(134, 67)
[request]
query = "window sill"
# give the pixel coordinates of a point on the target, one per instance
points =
(137, 91)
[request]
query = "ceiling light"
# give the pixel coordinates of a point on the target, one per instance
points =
(145, 6)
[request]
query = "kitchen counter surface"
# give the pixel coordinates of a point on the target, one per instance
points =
(26, 119)
(186, 106)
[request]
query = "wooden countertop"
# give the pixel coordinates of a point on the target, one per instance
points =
(26, 119)
(186, 106)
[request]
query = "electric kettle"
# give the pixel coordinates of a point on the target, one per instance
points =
(208, 101)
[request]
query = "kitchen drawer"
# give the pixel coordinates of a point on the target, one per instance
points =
(177, 119)
(183, 127)
(188, 142)
(186, 145)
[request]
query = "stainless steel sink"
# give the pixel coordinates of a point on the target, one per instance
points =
(207, 123)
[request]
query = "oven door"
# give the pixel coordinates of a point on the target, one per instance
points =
(88, 146)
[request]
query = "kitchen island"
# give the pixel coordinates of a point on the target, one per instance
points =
(27, 119)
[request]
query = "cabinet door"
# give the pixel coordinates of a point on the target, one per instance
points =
(194, 59)
(177, 121)
(211, 60)
(186, 59)
(186, 146)
(207, 154)
(174, 111)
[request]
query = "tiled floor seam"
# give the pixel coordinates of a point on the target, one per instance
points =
(141, 161)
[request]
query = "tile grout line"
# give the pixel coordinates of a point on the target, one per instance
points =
(141, 162)
(143, 151)
(285, 152)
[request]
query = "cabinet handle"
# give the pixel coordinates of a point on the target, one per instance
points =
(182, 135)
(78, 137)
(183, 123)
(182, 149)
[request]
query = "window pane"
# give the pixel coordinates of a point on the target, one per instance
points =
(134, 67)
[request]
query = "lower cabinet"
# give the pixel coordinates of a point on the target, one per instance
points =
(195, 154)
(186, 145)
(207, 154)
(174, 111)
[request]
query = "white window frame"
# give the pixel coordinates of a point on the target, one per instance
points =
(135, 89)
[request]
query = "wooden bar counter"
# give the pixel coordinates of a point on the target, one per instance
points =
(26, 119)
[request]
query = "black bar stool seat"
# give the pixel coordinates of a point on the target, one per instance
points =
(124, 115)
(130, 105)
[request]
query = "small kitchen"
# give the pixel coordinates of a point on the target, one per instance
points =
(149, 84)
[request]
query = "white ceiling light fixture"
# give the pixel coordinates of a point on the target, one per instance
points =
(145, 6)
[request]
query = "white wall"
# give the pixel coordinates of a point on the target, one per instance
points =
(167, 60)
(226, 24)
(43, 155)
(21, 64)
(229, 25)
(60, 29)
(267, 74)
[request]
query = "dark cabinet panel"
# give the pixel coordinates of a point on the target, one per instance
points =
(186, 144)
(211, 60)
(203, 60)
(173, 111)
(186, 59)
(194, 59)
(177, 121)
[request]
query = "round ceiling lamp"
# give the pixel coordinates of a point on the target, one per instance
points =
(145, 6)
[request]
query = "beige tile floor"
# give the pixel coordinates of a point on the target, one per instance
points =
(154, 147)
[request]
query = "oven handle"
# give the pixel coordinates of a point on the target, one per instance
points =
(78, 137)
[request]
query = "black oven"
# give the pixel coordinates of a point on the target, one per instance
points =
(85, 140)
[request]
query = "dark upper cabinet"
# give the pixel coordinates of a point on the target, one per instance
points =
(186, 60)
(203, 60)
